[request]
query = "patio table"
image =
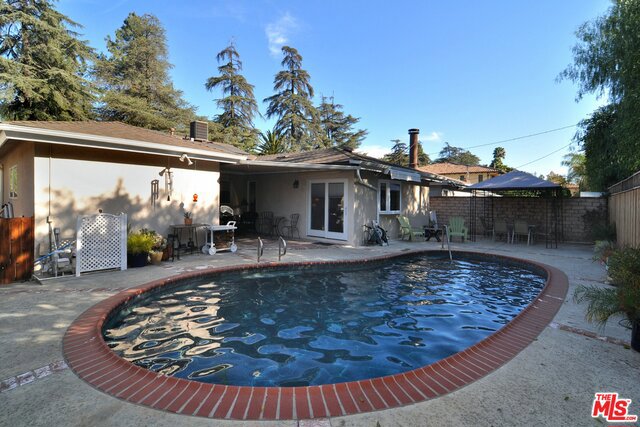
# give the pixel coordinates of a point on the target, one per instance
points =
(430, 232)
(191, 232)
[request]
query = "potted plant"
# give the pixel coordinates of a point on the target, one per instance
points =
(139, 245)
(188, 219)
(159, 244)
(623, 298)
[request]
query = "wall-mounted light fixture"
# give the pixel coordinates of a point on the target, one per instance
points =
(195, 198)
(296, 184)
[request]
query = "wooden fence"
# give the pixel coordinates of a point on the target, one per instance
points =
(16, 249)
(624, 210)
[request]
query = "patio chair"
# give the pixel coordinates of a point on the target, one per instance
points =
(521, 228)
(292, 225)
(265, 222)
(433, 220)
(550, 235)
(407, 230)
(457, 228)
(485, 229)
(500, 228)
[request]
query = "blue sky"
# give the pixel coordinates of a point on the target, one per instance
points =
(463, 72)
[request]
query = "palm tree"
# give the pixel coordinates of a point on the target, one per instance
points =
(576, 162)
(272, 143)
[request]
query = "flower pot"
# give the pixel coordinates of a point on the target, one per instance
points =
(156, 257)
(635, 335)
(137, 260)
(188, 221)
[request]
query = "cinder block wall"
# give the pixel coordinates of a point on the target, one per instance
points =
(527, 208)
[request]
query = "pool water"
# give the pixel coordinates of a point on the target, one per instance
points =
(323, 325)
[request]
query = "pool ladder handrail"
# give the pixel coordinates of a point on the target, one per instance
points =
(282, 248)
(446, 238)
(260, 248)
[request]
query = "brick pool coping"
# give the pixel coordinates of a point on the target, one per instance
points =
(92, 360)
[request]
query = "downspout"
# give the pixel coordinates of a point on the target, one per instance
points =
(360, 181)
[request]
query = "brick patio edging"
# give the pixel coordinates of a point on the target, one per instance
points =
(92, 360)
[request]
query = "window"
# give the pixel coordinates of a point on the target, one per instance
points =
(13, 182)
(389, 197)
(462, 178)
(480, 178)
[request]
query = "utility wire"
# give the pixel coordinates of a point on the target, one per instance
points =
(515, 139)
(545, 156)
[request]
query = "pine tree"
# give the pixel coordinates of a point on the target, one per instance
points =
(337, 127)
(457, 155)
(400, 154)
(135, 78)
(238, 104)
(43, 64)
(297, 117)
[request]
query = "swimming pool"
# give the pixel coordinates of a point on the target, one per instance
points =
(91, 359)
(322, 325)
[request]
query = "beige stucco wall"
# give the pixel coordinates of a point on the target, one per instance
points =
(81, 186)
(20, 154)
(414, 205)
(275, 193)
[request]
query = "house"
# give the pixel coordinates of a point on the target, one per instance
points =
(336, 191)
(467, 174)
(56, 171)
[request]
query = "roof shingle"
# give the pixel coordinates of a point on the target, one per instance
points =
(454, 168)
(125, 131)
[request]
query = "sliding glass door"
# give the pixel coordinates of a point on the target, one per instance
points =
(327, 214)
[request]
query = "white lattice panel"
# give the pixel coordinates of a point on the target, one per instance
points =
(102, 242)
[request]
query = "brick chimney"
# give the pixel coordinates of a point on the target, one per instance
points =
(413, 148)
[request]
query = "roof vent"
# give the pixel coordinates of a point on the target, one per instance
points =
(199, 131)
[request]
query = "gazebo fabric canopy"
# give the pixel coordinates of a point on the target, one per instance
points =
(514, 180)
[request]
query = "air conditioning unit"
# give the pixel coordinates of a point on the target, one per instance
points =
(199, 131)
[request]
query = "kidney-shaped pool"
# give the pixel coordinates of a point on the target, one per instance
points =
(321, 324)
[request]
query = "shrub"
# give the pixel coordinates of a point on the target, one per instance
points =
(602, 303)
(139, 243)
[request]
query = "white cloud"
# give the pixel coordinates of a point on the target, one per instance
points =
(433, 136)
(376, 151)
(278, 32)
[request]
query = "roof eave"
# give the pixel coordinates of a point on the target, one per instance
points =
(295, 165)
(27, 133)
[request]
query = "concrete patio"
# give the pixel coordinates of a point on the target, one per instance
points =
(551, 382)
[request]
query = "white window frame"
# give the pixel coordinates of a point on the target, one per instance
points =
(387, 210)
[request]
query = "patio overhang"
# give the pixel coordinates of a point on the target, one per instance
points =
(10, 132)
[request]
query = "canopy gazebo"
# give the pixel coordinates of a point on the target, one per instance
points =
(519, 184)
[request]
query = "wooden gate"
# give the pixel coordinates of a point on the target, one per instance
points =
(16, 249)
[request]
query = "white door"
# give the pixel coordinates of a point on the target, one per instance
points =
(327, 214)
